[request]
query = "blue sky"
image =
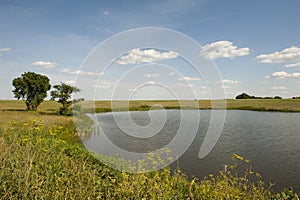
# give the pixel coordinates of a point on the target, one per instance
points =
(255, 46)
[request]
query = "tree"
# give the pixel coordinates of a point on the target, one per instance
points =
(246, 96)
(63, 93)
(243, 96)
(32, 87)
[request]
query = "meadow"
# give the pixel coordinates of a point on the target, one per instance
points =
(281, 105)
(42, 158)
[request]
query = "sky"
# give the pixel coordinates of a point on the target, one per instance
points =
(148, 49)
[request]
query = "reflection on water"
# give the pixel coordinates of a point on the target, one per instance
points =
(270, 140)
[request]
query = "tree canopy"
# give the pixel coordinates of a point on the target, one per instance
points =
(247, 96)
(63, 93)
(244, 96)
(32, 88)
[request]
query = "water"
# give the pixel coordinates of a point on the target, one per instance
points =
(270, 140)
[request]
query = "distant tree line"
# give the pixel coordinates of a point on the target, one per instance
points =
(296, 97)
(247, 96)
(33, 88)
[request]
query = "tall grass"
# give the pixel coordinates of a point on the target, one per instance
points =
(44, 162)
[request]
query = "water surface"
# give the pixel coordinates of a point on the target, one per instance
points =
(270, 140)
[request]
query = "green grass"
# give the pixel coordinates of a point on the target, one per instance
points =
(51, 108)
(12, 110)
(42, 158)
(280, 105)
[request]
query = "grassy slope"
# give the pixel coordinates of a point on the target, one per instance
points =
(38, 163)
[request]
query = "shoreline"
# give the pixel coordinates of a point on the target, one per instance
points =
(261, 105)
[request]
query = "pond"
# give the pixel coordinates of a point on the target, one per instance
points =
(270, 140)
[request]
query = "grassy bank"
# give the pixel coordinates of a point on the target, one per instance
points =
(38, 162)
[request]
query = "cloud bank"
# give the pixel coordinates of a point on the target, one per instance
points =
(285, 75)
(287, 55)
(44, 64)
(80, 72)
(278, 88)
(223, 49)
(227, 81)
(151, 75)
(136, 56)
(297, 64)
(187, 78)
(4, 50)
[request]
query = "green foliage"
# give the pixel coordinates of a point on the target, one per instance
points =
(63, 93)
(32, 87)
(277, 97)
(247, 96)
(38, 162)
(243, 96)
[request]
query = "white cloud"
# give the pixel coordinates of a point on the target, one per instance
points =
(103, 85)
(66, 70)
(44, 64)
(284, 75)
(225, 86)
(106, 12)
(104, 30)
(150, 83)
(184, 85)
(4, 50)
(291, 54)
(151, 75)
(186, 78)
(223, 49)
(279, 88)
(136, 56)
(171, 73)
(227, 81)
(79, 72)
(297, 64)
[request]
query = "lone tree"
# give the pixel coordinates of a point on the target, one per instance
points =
(63, 93)
(243, 96)
(32, 87)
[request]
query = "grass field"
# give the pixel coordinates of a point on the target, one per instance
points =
(282, 105)
(11, 110)
(42, 158)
